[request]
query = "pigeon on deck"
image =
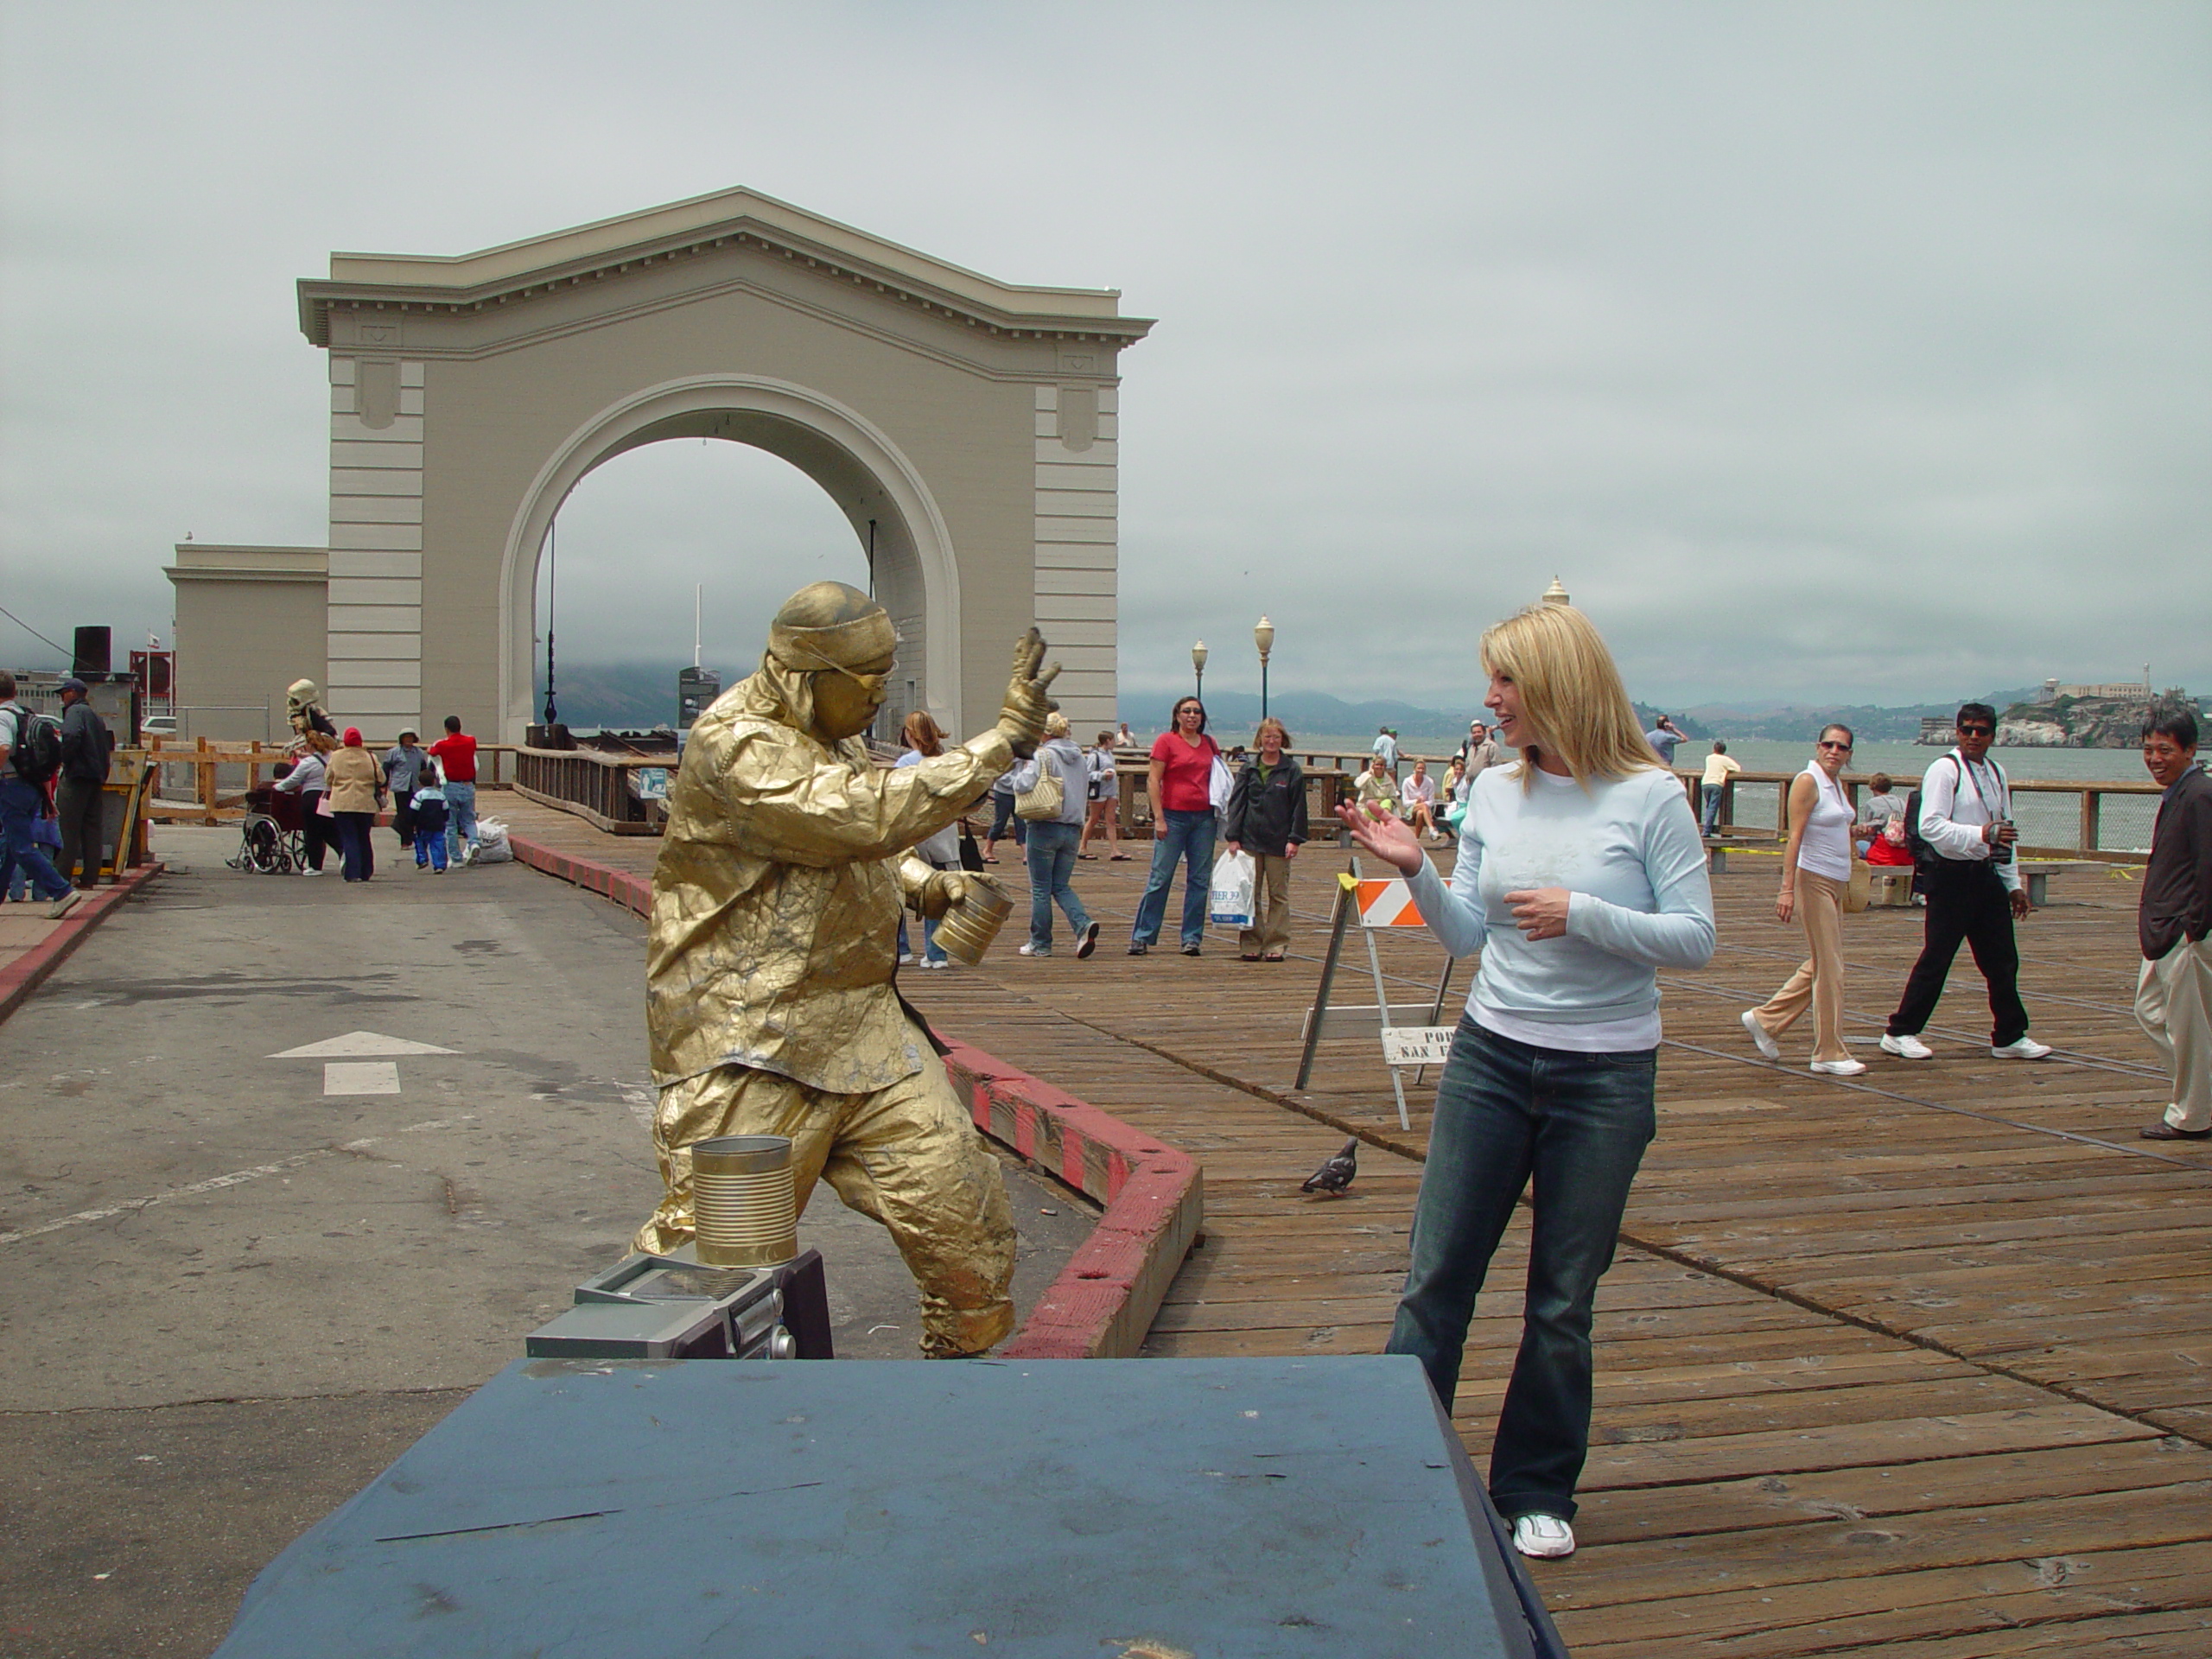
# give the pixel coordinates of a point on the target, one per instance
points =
(1335, 1176)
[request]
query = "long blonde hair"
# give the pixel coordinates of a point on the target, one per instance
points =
(1570, 693)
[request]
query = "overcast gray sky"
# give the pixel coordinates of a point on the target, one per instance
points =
(1853, 352)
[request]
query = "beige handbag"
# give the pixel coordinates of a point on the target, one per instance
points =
(1042, 801)
(1860, 891)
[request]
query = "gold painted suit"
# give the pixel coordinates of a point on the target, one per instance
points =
(769, 1004)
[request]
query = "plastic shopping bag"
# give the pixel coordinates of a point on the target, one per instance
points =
(1229, 897)
(491, 844)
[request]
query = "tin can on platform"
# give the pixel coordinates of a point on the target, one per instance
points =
(744, 1201)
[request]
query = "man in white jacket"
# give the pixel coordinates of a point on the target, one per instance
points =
(1973, 894)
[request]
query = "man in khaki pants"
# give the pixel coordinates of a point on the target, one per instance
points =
(2173, 993)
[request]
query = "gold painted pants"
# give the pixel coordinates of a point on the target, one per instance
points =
(906, 1155)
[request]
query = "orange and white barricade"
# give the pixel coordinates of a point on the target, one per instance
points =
(1412, 1032)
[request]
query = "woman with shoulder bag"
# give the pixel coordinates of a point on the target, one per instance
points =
(1053, 838)
(355, 788)
(1105, 817)
(1267, 818)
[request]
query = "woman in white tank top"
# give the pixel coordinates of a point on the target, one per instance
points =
(1816, 872)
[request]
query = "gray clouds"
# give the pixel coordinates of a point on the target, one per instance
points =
(1824, 352)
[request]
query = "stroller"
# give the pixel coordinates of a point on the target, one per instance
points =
(272, 841)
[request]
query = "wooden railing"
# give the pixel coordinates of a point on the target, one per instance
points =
(2058, 818)
(621, 793)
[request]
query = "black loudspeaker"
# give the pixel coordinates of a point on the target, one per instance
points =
(93, 658)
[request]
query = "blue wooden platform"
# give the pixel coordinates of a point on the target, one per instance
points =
(642, 1510)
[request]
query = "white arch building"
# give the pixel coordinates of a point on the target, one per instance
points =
(967, 427)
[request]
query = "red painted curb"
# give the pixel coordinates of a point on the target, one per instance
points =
(1105, 1300)
(23, 975)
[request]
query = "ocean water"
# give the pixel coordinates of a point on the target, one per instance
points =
(2124, 823)
(1903, 761)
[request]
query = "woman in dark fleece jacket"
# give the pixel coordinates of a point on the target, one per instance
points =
(1267, 818)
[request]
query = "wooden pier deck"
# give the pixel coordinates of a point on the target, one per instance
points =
(1918, 1362)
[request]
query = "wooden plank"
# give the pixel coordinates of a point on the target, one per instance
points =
(1909, 1370)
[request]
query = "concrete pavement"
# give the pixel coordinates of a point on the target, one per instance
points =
(237, 1284)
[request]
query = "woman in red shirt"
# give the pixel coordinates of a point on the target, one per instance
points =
(1182, 780)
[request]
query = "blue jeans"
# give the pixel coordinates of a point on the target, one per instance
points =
(1189, 837)
(1577, 1124)
(19, 804)
(1051, 861)
(1713, 793)
(430, 847)
(461, 818)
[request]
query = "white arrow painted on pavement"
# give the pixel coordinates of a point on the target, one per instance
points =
(360, 1078)
(357, 1045)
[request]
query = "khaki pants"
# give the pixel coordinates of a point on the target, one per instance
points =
(907, 1156)
(1818, 982)
(2173, 1004)
(1270, 908)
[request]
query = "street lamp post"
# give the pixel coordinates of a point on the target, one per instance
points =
(1264, 636)
(1199, 667)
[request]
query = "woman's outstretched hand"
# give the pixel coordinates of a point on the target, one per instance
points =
(1383, 836)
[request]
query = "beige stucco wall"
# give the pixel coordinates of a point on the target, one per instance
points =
(456, 429)
(250, 621)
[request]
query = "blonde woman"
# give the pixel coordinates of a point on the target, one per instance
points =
(1816, 872)
(1581, 875)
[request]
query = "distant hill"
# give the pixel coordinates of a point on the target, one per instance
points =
(622, 696)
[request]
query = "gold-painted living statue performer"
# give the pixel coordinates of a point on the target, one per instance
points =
(774, 938)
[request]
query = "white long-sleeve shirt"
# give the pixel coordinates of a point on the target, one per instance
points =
(1627, 848)
(1955, 800)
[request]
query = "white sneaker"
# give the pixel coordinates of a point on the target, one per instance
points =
(2026, 1049)
(942, 961)
(1773, 1052)
(908, 961)
(310, 870)
(1545, 1537)
(1839, 1068)
(61, 906)
(1036, 949)
(1905, 1048)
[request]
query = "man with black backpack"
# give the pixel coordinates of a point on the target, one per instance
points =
(1963, 838)
(30, 753)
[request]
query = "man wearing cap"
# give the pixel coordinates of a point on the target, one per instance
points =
(86, 747)
(770, 1005)
(403, 771)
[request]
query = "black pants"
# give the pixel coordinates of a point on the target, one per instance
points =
(403, 816)
(1966, 901)
(316, 832)
(79, 803)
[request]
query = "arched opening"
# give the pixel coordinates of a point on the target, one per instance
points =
(877, 491)
(643, 534)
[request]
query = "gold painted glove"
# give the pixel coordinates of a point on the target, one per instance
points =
(945, 889)
(1022, 720)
